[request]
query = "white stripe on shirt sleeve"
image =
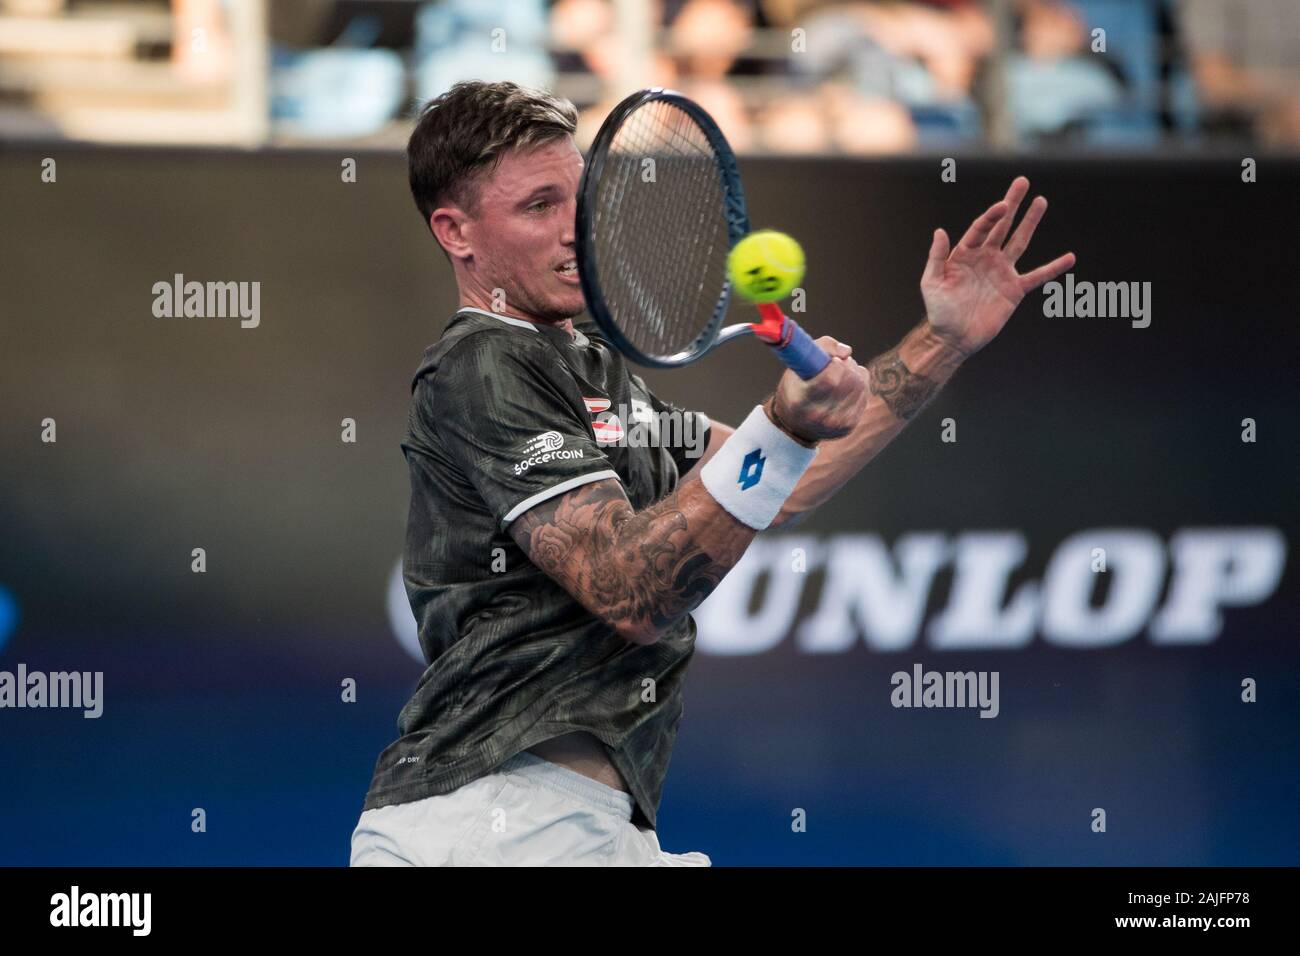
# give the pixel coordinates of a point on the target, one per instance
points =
(554, 490)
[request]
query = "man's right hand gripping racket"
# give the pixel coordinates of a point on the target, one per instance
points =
(659, 209)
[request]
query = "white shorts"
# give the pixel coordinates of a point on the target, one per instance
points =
(529, 812)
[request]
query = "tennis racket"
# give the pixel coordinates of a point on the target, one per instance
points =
(659, 207)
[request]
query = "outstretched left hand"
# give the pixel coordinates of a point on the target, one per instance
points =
(971, 292)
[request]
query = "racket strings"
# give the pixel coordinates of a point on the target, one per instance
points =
(659, 229)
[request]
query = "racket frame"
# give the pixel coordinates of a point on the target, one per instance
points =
(734, 210)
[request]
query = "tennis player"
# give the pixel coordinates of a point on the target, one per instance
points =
(552, 565)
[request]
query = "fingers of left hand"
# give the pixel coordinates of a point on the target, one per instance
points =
(998, 234)
(1032, 280)
(1019, 241)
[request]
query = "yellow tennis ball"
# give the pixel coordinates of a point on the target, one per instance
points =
(765, 266)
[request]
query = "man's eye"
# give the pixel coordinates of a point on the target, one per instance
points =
(539, 205)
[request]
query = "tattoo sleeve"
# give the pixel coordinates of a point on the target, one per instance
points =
(906, 378)
(640, 571)
(904, 391)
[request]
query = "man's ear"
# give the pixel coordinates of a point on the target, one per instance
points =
(449, 226)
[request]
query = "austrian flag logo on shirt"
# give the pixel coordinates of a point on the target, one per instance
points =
(606, 425)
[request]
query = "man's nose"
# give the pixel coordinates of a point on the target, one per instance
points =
(570, 219)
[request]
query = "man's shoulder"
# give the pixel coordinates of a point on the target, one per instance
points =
(488, 334)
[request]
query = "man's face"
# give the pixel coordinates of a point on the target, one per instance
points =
(523, 232)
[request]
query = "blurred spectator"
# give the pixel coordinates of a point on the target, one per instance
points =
(1141, 51)
(867, 125)
(343, 90)
(706, 39)
(795, 123)
(588, 27)
(1246, 59)
(835, 117)
(1054, 81)
(925, 52)
(948, 40)
(481, 40)
(722, 101)
(708, 35)
(905, 70)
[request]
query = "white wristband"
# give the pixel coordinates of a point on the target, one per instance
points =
(755, 470)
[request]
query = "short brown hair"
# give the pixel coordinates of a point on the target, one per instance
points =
(463, 134)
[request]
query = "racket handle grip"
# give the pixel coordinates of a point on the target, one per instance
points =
(795, 347)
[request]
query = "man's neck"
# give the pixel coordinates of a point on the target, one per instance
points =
(565, 324)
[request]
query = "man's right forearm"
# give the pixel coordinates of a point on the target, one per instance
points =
(638, 570)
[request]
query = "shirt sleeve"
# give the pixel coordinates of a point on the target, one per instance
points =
(687, 453)
(510, 416)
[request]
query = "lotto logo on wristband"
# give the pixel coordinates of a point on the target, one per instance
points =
(751, 469)
(750, 485)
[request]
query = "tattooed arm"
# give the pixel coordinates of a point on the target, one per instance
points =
(970, 291)
(640, 571)
(902, 381)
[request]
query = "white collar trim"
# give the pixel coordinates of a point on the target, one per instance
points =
(532, 327)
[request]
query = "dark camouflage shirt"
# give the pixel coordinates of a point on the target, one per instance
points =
(505, 414)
